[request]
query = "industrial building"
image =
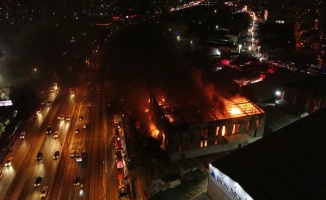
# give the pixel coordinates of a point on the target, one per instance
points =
(206, 127)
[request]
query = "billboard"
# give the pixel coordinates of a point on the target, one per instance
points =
(4, 96)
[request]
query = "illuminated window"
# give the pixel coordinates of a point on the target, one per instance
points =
(237, 128)
(247, 126)
(179, 149)
(223, 130)
(204, 135)
(257, 124)
(233, 129)
(216, 134)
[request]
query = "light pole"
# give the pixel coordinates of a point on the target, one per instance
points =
(258, 50)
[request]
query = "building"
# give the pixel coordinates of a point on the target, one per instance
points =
(289, 164)
(307, 95)
(205, 128)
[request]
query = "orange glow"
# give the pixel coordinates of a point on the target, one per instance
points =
(163, 141)
(223, 130)
(237, 107)
(146, 110)
(235, 111)
(154, 131)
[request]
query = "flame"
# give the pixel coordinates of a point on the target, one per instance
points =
(146, 110)
(163, 141)
(235, 111)
(153, 130)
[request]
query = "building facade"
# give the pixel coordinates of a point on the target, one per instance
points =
(193, 132)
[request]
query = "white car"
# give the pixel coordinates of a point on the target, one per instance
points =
(72, 153)
(56, 134)
(44, 191)
(8, 162)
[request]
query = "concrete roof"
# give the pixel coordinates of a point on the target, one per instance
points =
(288, 164)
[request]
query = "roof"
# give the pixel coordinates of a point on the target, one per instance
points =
(314, 86)
(288, 164)
(218, 108)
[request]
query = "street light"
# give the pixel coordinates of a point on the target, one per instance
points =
(258, 50)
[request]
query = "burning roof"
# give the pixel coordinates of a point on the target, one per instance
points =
(231, 108)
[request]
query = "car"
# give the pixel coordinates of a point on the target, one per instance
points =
(62, 117)
(44, 191)
(35, 116)
(22, 135)
(49, 130)
(68, 118)
(84, 154)
(49, 103)
(84, 126)
(72, 153)
(56, 155)
(118, 145)
(116, 134)
(38, 181)
(118, 156)
(80, 118)
(56, 134)
(8, 162)
(39, 156)
(38, 111)
(77, 130)
(77, 181)
(88, 107)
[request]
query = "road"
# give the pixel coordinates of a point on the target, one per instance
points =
(97, 170)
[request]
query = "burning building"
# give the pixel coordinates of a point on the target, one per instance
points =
(204, 128)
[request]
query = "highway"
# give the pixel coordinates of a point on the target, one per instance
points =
(98, 176)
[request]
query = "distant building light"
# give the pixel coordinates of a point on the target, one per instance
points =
(277, 93)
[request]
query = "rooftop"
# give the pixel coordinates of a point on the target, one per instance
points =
(314, 86)
(217, 109)
(288, 164)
